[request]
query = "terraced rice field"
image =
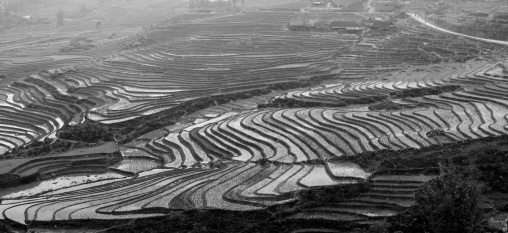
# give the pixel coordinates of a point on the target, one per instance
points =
(304, 134)
(197, 56)
(235, 156)
(230, 185)
(218, 163)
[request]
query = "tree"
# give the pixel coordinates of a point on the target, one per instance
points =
(448, 204)
(59, 18)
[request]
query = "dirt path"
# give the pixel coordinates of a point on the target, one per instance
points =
(419, 19)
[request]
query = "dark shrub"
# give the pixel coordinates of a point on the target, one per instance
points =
(89, 132)
(448, 204)
(329, 194)
(460, 160)
(493, 165)
(71, 90)
(436, 132)
(496, 176)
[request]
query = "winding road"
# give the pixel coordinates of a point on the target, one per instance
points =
(419, 19)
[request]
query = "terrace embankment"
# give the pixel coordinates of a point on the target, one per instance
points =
(90, 133)
(307, 212)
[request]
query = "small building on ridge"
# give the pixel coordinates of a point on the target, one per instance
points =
(297, 24)
(348, 26)
(369, 21)
(383, 25)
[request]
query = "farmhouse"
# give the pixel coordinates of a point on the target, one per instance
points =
(323, 4)
(349, 26)
(296, 24)
(382, 25)
(402, 15)
(369, 21)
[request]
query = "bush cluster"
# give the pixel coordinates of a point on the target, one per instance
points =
(493, 165)
(436, 132)
(448, 204)
(89, 132)
(329, 194)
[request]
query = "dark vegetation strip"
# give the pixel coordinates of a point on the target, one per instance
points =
(293, 103)
(46, 147)
(388, 105)
(418, 92)
(384, 99)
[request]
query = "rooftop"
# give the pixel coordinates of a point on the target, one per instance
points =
(343, 24)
